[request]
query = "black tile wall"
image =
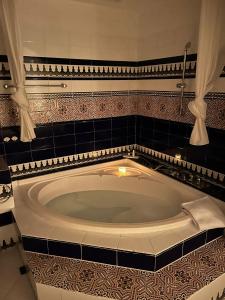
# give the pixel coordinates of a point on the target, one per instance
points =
(214, 233)
(194, 243)
(169, 256)
(66, 138)
(136, 260)
(35, 244)
(64, 249)
(101, 255)
(4, 171)
(6, 218)
(5, 177)
(173, 137)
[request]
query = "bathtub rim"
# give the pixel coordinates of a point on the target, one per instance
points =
(175, 222)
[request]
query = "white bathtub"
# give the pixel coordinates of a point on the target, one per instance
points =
(166, 193)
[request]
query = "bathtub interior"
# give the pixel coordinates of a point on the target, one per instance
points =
(141, 201)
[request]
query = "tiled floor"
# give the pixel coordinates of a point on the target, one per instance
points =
(13, 285)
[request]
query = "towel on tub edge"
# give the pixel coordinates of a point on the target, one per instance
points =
(205, 213)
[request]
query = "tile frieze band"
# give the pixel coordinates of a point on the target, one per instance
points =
(46, 68)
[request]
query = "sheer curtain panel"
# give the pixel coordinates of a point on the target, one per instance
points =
(209, 64)
(14, 50)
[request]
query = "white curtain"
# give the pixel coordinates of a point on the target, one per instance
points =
(209, 64)
(14, 50)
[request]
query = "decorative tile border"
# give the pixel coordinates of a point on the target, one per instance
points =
(47, 108)
(166, 106)
(47, 68)
(176, 281)
(59, 107)
(52, 165)
(118, 257)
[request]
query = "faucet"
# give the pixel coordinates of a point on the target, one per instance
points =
(5, 192)
(182, 84)
(131, 155)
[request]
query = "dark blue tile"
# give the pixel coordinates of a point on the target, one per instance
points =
(44, 131)
(67, 150)
(5, 177)
(214, 164)
(18, 158)
(1, 136)
(101, 255)
(159, 145)
(178, 129)
(161, 136)
(216, 136)
(162, 125)
(131, 139)
(131, 121)
(3, 163)
(84, 137)
(43, 154)
(102, 144)
(168, 256)
(64, 140)
(194, 242)
(35, 244)
(146, 133)
(85, 147)
(102, 124)
(136, 260)
(2, 149)
(214, 233)
(42, 144)
(102, 135)
(10, 131)
(116, 142)
(146, 122)
(84, 126)
(177, 141)
(17, 146)
(119, 122)
(64, 249)
(119, 133)
(6, 218)
(63, 128)
(131, 130)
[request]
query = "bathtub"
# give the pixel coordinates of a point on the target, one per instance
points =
(120, 197)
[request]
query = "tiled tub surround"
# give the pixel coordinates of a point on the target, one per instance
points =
(177, 281)
(144, 248)
(115, 255)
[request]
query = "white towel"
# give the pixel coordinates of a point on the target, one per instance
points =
(205, 213)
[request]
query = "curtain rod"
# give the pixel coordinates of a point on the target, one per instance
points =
(62, 85)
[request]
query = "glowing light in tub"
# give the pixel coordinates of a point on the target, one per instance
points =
(122, 171)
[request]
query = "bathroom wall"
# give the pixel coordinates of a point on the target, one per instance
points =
(165, 28)
(112, 55)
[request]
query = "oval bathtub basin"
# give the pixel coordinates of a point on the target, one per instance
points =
(104, 202)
